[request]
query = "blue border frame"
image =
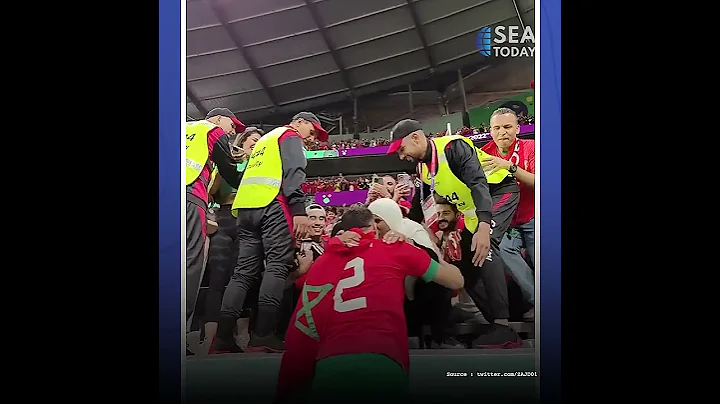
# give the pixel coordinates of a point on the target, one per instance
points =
(170, 243)
(550, 187)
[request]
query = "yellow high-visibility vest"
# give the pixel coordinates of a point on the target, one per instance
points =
(263, 174)
(450, 187)
(196, 149)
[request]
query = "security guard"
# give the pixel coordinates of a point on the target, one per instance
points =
(450, 167)
(270, 210)
(205, 145)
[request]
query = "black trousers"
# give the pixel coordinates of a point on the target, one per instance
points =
(195, 233)
(486, 285)
(431, 306)
(222, 256)
(263, 234)
(287, 307)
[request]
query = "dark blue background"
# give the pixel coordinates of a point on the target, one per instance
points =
(550, 204)
(170, 240)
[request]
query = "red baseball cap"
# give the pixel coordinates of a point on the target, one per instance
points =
(320, 133)
(239, 126)
(400, 130)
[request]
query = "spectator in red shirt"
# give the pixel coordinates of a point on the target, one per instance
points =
(517, 156)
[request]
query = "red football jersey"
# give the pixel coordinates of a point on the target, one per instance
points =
(523, 155)
(352, 303)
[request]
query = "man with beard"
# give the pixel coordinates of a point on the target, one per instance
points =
(450, 226)
(448, 231)
(450, 166)
(310, 248)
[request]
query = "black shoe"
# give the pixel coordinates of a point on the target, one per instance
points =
(499, 337)
(458, 315)
(447, 343)
(269, 344)
(220, 346)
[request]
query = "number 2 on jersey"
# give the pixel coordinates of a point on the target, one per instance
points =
(343, 306)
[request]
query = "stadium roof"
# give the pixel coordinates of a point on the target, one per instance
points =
(261, 57)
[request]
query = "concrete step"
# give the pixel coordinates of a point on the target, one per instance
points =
(414, 344)
(523, 327)
(469, 328)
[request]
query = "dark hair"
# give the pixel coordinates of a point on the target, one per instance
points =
(439, 200)
(336, 229)
(250, 130)
(356, 216)
(314, 206)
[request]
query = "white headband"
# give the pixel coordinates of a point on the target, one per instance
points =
(315, 207)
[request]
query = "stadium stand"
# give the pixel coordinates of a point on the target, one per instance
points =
(360, 67)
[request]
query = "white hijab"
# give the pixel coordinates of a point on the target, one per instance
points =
(390, 212)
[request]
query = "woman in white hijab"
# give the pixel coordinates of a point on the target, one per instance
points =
(388, 211)
(388, 216)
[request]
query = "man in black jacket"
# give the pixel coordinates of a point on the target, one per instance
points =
(495, 205)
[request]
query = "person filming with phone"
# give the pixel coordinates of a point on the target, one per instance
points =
(223, 251)
(400, 190)
(206, 147)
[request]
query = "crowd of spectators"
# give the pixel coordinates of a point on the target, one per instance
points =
(348, 144)
(339, 183)
(380, 186)
(482, 128)
(359, 143)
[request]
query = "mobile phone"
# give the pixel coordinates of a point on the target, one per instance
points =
(236, 148)
(305, 246)
(405, 179)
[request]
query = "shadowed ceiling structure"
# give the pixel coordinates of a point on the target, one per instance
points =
(276, 57)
